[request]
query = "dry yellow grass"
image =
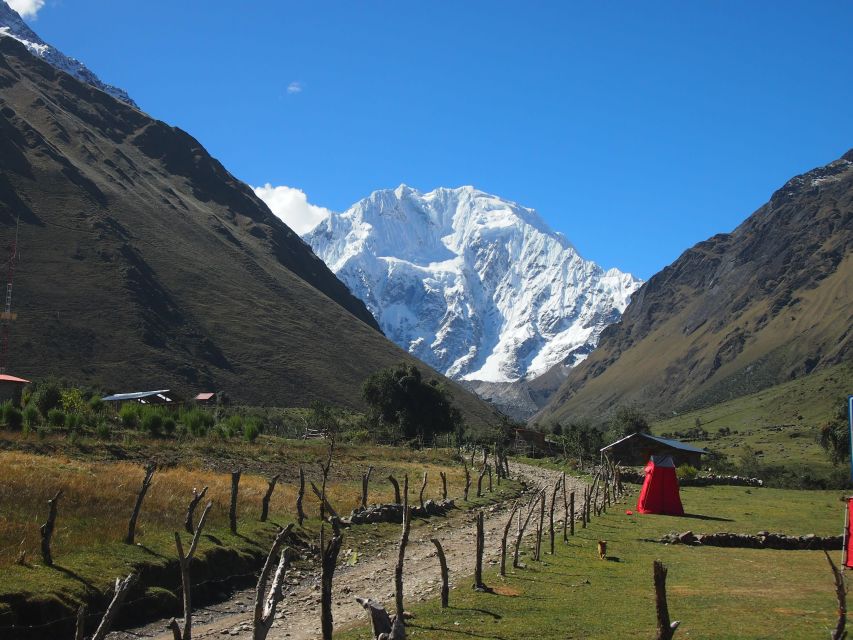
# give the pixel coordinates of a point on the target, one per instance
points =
(99, 496)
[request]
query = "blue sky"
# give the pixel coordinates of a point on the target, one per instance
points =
(635, 128)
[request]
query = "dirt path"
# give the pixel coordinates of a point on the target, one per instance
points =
(373, 575)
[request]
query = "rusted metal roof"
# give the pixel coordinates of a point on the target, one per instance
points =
(7, 378)
(204, 396)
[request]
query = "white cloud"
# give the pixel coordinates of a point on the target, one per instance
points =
(292, 206)
(294, 87)
(26, 8)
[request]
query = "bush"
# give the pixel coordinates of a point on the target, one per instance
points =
(686, 472)
(31, 415)
(251, 430)
(72, 401)
(73, 422)
(56, 418)
(47, 396)
(96, 404)
(103, 430)
(12, 416)
(152, 422)
(198, 422)
(129, 416)
(169, 425)
(233, 426)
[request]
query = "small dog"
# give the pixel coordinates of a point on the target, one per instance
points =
(602, 549)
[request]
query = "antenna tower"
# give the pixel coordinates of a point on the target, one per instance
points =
(7, 316)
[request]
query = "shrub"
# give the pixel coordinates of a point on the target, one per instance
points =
(169, 425)
(234, 425)
(686, 472)
(47, 397)
(12, 416)
(129, 416)
(73, 422)
(103, 430)
(31, 415)
(251, 430)
(152, 422)
(198, 422)
(72, 401)
(56, 418)
(96, 404)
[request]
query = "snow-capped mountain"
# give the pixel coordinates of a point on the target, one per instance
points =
(12, 25)
(478, 287)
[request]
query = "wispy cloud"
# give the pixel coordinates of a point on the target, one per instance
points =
(292, 207)
(26, 8)
(294, 87)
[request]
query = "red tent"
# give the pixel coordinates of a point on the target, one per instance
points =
(660, 488)
(848, 535)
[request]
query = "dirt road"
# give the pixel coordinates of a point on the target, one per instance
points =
(373, 575)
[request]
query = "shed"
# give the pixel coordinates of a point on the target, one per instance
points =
(161, 396)
(530, 443)
(638, 448)
(206, 397)
(11, 388)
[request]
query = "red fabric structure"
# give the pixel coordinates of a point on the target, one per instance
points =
(848, 560)
(660, 488)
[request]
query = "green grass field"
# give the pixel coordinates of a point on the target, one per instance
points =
(716, 593)
(780, 423)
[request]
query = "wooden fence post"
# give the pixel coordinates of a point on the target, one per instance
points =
(480, 481)
(146, 482)
(300, 512)
(478, 566)
(188, 520)
(839, 633)
(186, 584)
(423, 487)
(506, 534)
(365, 481)
(551, 516)
(232, 512)
(665, 629)
(396, 485)
(47, 528)
(539, 529)
(401, 556)
(445, 580)
(443, 485)
(266, 602)
(121, 589)
(530, 509)
(572, 513)
(265, 502)
(467, 481)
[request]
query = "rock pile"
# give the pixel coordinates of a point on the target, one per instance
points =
(762, 540)
(705, 480)
(393, 513)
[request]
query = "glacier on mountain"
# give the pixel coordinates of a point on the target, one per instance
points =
(475, 286)
(12, 25)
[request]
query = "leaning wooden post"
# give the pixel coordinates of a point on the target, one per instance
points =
(540, 528)
(478, 566)
(480, 481)
(506, 534)
(329, 562)
(47, 528)
(443, 485)
(232, 512)
(841, 595)
(572, 513)
(121, 589)
(665, 629)
(445, 579)
(423, 488)
(467, 481)
(396, 485)
(551, 516)
(365, 481)
(188, 520)
(131, 525)
(324, 501)
(401, 556)
(489, 467)
(265, 502)
(266, 602)
(530, 509)
(186, 584)
(300, 512)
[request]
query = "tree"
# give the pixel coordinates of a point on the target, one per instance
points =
(834, 436)
(628, 421)
(399, 397)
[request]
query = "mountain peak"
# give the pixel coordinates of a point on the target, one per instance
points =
(13, 26)
(477, 286)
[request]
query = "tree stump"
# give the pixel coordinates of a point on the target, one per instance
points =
(665, 629)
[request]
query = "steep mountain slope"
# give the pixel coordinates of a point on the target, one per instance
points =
(12, 25)
(145, 264)
(476, 286)
(737, 313)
